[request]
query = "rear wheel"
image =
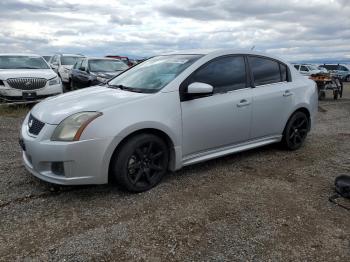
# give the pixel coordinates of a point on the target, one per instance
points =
(296, 131)
(140, 163)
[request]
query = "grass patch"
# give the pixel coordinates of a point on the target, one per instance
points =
(14, 110)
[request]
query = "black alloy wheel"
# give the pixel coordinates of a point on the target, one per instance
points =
(296, 131)
(141, 163)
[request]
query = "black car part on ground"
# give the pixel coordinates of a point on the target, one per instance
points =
(342, 187)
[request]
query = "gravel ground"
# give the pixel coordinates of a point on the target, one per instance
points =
(264, 204)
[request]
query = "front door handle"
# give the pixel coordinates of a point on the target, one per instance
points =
(287, 93)
(243, 102)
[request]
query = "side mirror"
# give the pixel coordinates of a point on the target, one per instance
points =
(200, 88)
(82, 68)
(55, 64)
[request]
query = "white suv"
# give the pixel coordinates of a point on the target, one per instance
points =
(63, 63)
(307, 70)
(27, 77)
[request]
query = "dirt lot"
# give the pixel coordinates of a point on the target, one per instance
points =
(264, 204)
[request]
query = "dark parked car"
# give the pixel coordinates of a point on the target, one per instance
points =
(94, 71)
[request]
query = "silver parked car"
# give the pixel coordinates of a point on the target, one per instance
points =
(165, 113)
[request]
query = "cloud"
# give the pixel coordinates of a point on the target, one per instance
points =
(294, 29)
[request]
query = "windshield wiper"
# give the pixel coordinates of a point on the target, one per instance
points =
(131, 89)
(117, 86)
(28, 67)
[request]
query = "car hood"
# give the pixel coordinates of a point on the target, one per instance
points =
(53, 110)
(16, 73)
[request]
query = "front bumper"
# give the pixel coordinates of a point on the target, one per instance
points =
(82, 161)
(17, 94)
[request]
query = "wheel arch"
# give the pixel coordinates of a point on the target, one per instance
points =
(155, 131)
(299, 109)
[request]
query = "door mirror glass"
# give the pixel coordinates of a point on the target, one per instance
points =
(199, 88)
(82, 68)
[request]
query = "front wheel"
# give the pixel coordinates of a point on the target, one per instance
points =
(296, 131)
(140, 163)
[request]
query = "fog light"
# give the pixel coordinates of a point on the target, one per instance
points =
(57, 168)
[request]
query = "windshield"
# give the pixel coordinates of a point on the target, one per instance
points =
(107, 65)
(69, 60)
(22, 62)
(155, 73)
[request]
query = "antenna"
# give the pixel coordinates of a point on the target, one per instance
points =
(253, 47)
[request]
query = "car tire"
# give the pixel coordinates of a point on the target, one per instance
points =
(140, 163)
(296, 131)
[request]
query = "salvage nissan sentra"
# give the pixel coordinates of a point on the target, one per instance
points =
(165, 113)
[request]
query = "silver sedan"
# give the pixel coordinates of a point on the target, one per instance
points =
(165, 113)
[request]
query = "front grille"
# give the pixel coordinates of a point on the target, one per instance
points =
(27, 83)
(35, 125)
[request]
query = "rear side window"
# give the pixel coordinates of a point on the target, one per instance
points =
(284, 72)
(265, 71)
(224, 74)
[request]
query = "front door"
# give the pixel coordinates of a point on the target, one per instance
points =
(223, 118)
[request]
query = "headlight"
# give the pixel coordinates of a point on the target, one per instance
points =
(54, 81)
(71, 128)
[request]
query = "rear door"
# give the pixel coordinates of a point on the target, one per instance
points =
(272, 98)
(220, 119)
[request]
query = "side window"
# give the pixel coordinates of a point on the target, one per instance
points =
(224, 74)
(296, 67)
(304, 68)
(343, 68)
(284, 72)
(265, 71)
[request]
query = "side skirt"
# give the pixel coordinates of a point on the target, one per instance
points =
(223, 151)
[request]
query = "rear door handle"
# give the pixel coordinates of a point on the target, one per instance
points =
(243, 102)
(287, 93)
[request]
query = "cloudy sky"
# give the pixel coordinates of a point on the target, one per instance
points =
(293, 29)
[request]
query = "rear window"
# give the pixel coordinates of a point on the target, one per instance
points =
(70, 60)
(265, 71)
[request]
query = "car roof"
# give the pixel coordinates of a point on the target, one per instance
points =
(222, 52)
